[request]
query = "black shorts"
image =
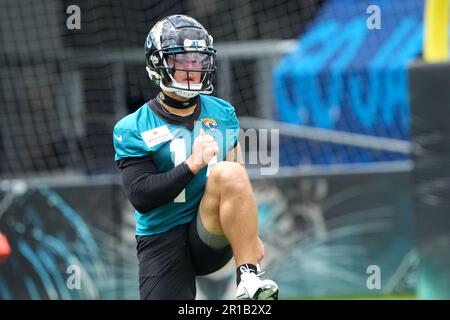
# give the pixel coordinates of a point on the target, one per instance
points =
(170, 261)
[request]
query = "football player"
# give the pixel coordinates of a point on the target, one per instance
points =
(183, 172)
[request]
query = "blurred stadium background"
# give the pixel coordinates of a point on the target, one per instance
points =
(362, 110)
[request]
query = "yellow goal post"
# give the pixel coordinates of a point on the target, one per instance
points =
(436, 22)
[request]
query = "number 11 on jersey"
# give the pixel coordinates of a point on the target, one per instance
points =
(178, 148)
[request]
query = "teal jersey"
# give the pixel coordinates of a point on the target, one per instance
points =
(148, 133)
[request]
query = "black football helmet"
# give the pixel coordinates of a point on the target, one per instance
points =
(171, 41)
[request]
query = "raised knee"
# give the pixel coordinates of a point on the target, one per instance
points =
(229, 175)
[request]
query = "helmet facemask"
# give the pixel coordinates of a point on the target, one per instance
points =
(187, 73)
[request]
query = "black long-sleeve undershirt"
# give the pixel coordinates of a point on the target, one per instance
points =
(146, 188)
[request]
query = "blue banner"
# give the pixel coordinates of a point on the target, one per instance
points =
(350, 74)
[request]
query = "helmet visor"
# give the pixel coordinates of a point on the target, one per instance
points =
(190, 61)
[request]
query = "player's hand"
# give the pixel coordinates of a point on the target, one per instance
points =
(203, 150)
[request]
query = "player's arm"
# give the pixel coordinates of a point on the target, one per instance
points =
(235, 154)
(146, 188)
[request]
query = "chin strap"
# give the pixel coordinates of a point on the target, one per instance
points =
(171, 102)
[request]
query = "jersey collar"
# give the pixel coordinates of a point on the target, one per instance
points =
(174, 119)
